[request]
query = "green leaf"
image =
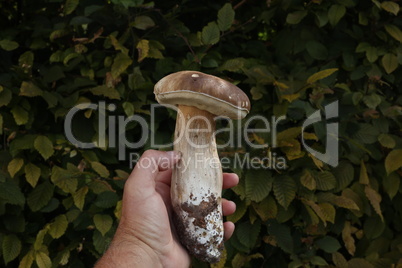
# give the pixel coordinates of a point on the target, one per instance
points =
(8, 45)
(5, 97)
(391, 7)
(11, 247)
(26, 60)
(284, 190)
(317, 260)
(256, 93)
(64, 257)
(142, 23)
(44, 146)
(100, 242)
(32, 174)
(266, 209)
(375, 200)
(50, 98)
(335, 14)
(359, 262)
(233, 65)
(389, 62)
(367, 133)
(106, 199)
(328, 211)
(143, 49)
(59, 226)
(120, 64)
(307, 180)
(391, 184)
(40, 237)
(29, 89)
(325, 181)
(40, 196)
(296, 17)
(64, 179)
(100, 169)
(56, 56)
(155, 50)
(42, 260)
(372, 100)
(393, 161)
(27, 260)
(57, 34)
(258, 184)
(20, 115)
(316, 209)
(345, 202)
(10, 193)
(321, 75)
(70, 6)
(394, 31)
(79, 197)
(344, 174)
(247, 233)
(339, 260)
(117, 46)
(226, 17)
(128, 108)
(386, 140)
(373, 227)
(69, 57)
(14, 166)
(210, 34)
(372, 54)
(363, 178)
(362, 47)
(282, 235)
(103, 223)
(108, 92)
(128, 3)
(316, 50)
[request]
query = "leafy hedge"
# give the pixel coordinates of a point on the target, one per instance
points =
(59, 204)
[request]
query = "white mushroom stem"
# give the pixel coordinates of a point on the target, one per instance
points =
(197, 185)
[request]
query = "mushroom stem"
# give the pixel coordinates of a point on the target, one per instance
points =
(197, 185)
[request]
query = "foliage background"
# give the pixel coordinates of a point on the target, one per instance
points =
(59, 204)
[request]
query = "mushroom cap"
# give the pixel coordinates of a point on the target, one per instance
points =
(204, 91)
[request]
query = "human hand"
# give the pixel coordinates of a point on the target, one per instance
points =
(146, 236)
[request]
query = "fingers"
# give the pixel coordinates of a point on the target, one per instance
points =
(228, 207)
(228, 228)
(164, 177)
(151, 166)
(230, 180)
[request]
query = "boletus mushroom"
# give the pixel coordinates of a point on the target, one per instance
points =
(196, 185)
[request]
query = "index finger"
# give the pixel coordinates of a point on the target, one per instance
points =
(230, 180)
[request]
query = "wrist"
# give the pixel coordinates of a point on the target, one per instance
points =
(130, 252)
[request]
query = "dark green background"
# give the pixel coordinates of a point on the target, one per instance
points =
(59, 203)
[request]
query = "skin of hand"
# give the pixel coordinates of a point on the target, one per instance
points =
(145, 236)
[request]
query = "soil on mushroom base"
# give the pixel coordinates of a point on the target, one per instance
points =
(199, 214)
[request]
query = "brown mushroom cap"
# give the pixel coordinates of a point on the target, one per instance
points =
(204, 91)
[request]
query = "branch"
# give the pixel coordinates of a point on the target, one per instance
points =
(196, 59)
(239, 4)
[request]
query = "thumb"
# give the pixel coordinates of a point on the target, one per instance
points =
(141, 182)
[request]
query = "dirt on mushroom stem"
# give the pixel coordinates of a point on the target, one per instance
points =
(197, 185)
